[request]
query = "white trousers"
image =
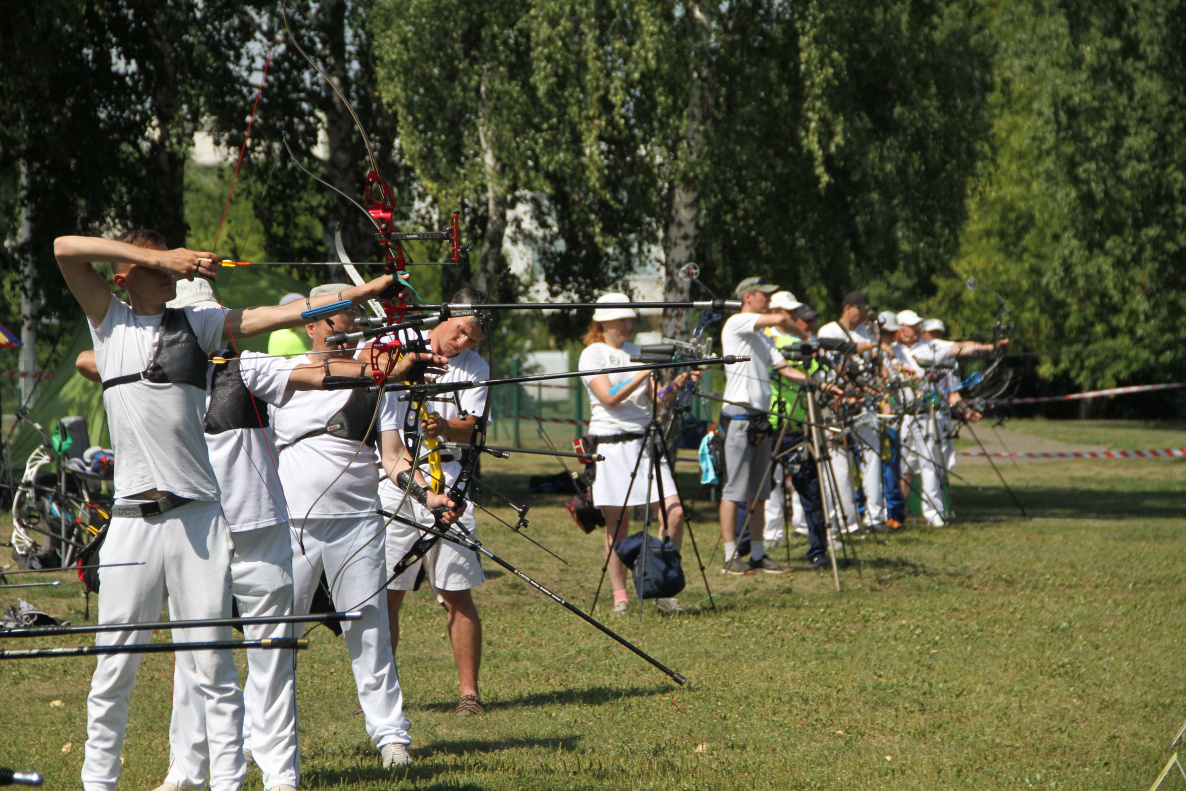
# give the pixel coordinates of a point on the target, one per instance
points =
(838, 499)
(261, 582)
(868, 455)
(187, 557)
(776, 517)
(923, 454)
(350, 551)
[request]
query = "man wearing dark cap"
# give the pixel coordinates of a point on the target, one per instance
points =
(743, 420)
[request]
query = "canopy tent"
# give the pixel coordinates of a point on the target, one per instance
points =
(67, 393)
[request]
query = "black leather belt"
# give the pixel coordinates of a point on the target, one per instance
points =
(143, 508)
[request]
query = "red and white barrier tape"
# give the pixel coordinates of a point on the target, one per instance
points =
(1112, 391)
(1104, 454)
(25, 374)
(565, 420)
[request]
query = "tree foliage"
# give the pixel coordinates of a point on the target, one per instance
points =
(1078, 216)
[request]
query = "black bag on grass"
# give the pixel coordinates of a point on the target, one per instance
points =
(658, 573)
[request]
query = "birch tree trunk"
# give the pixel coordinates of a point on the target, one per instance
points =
(679, 248)
(491, 263)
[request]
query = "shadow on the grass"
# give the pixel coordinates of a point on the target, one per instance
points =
(592, 696)
(421, 769)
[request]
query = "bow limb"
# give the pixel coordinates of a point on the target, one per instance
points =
(352, 273)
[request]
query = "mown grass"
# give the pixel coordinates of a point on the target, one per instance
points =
(1115, 434)
(997, 654)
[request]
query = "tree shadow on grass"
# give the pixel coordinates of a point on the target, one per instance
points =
(1069, 503)
(372, 775)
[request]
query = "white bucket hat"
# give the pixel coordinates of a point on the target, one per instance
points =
(196, 292)
(613, 314)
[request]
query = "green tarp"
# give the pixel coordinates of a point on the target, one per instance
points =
(67, 393)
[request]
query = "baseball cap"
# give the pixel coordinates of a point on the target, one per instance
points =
(807, 313)
(751, 284)
(933, 325)
(784, 300)
(196, 292)
(889, 321)
(291, 296)
(857, 298)
(908, 318)
(611, 313)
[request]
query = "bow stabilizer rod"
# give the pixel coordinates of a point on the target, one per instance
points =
(298, 643)
(48, 631)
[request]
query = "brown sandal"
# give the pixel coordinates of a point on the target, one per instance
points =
(469, 706)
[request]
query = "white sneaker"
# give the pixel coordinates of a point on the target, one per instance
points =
(620, 608)
(802, 531)
(394, 755)
(670, 606)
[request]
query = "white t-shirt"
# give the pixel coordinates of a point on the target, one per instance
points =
(391, 418)
(902, 366)
(860, 335)
(749, 382)
(308, 468)
(245, 459)
(935, 351)
(156, 429)
(631, 415)
(468, 366)
(465, 367)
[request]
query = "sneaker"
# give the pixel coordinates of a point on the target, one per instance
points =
(937, 522)
(893, 524)
(469, 706)
(620, 609)
(768, 566)
(669, 606)
(738, 565)
(802, 531)
(821, 562)
(395, 755)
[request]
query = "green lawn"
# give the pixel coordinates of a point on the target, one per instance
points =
(1116, 434)
(995, 654)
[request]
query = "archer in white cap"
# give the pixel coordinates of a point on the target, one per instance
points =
(620, 411)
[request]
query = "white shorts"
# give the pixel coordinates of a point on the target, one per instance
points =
(450, 567)
(613, 476)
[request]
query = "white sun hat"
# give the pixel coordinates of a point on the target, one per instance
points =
(610, 313)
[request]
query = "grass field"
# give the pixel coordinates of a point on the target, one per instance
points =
(995, 654)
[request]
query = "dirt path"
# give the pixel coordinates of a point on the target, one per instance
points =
(1005, 440)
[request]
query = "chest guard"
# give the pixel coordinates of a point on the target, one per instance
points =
(179, 359)
(232, 406)
(351, 421)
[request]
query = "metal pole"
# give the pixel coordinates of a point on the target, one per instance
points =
(515, 405)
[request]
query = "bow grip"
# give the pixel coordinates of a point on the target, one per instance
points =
(327, 310)
(406, 482)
